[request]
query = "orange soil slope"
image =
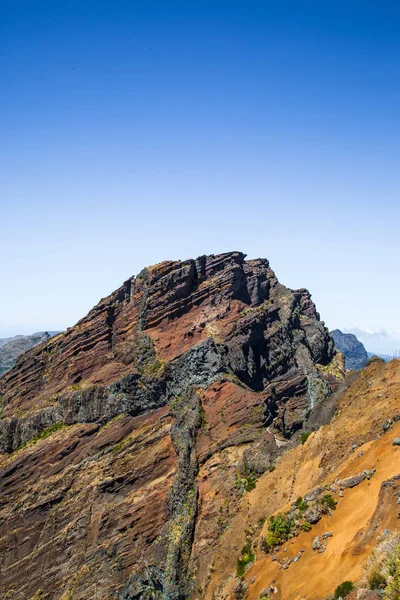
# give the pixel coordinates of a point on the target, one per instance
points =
(363, 512)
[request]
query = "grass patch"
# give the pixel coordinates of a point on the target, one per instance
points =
(280, 529)
(305, 436)
(246, 483)
(42, 435)
(377, 581)
(247, 556)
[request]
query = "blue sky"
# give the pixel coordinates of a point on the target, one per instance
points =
(142, 131)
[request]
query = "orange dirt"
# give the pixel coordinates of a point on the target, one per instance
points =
(362, 514)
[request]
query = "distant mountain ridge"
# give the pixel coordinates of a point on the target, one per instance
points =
(385, 357)
(354, 351)
(12, 348)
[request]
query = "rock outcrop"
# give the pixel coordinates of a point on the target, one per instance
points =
(127, 442)
(354, 351)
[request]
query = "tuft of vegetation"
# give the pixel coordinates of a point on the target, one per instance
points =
(271, 468)
(281, 528)
(383, 567)
(344, 589)
(42, 435)
(246, 483)
(306, 526)
(328, 503)
(301, 504)
(305, 436)
(247, 556)
(377, 581)
(393, 568)
(119, 446)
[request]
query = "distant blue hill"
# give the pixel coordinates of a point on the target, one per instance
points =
(12, 348)
(356, 356)
(386, 357)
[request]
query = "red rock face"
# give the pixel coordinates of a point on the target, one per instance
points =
(123, 416)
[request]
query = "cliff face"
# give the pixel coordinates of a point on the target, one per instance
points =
(354, 351)
(128, 441)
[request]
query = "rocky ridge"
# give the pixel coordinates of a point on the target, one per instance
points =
(129, 440)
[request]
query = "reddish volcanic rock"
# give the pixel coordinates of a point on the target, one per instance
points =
(128, 440)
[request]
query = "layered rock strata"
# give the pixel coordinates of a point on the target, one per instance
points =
(128, 441)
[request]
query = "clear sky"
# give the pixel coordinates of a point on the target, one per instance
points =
(133, 132)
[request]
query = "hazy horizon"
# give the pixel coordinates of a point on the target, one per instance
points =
(133, 133)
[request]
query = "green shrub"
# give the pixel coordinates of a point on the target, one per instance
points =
(306, 526)
(301, 504)
(271, 468)
(246, 483)
(246, 557)
(344, 589)
(328, 503)
(250, 484)
(377, 581)
(305, 436)
(280, 529)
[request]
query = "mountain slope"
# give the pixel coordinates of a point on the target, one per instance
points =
(12, 348)
(353, 459)
(129, 441)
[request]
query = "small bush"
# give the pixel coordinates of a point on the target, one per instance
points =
(246, 483)
(246, 557)
(301, 504)
(305, 436)
(344, 589)
(328, 503)
(280, 529)
(271, 468)
(306, 526)
(377, 581)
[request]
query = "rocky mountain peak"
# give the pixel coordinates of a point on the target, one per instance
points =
(189, 364)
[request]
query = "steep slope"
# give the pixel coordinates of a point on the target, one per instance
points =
(355, 459)
(129, 441)
(354, 351)
(12, 348)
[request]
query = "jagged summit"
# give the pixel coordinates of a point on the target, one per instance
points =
(113, 425)
(258, 329)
